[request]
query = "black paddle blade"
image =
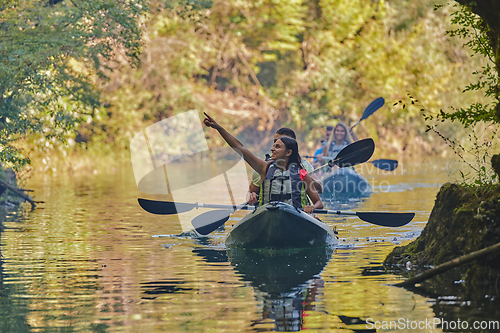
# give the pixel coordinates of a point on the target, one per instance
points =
(355, 153)
(165, 207)
(210, 221)
(374, 106)
(385, 164)
(386, 219)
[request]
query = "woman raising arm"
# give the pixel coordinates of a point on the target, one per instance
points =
(283, 177)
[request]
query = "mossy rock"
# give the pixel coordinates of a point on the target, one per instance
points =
(464, 219)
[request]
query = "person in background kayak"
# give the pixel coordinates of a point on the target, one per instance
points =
(254, 187)
(342, 136)
(284, 178)
(316, 161)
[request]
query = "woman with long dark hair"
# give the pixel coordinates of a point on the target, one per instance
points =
(294, 158)
(284, 178)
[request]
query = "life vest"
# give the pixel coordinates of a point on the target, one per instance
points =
(334, 149)
(285, 186)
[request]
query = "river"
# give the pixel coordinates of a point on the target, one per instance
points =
(89, 259)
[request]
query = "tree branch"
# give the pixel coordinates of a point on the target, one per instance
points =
(449, 265)
(18, 192)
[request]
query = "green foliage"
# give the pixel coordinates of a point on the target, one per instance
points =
(477, 156)
(470, 27)
(473, 145)
(258, 65)
(472, 149)
(49, 52)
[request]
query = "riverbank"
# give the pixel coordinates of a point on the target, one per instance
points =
(464, 219)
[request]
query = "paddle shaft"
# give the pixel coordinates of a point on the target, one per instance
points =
(208, 222)
(247, 207)
(218, 206)
(319, 168)
(356, 124)
(383, 164)
(335, 212)
(317, 211)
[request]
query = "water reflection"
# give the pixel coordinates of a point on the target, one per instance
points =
(455, 308)
(12, 308)
(153, 289)
(343, 203)
(286, 282)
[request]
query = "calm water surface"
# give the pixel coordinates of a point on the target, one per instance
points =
(90, 259)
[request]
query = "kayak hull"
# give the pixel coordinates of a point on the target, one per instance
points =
(279, 225)
(345, 182)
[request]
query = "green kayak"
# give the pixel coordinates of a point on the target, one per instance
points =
(279, 225)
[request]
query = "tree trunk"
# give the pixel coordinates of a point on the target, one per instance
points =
(18, 192)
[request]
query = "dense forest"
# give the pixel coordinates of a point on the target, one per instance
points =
(80, 78)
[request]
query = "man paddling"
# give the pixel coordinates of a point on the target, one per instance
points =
(254, 187)
(316, 161)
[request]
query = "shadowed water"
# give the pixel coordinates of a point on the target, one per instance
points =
(90, 259)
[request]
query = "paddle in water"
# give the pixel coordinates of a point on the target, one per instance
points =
(221, 216)
(207, 222)
(383, 219)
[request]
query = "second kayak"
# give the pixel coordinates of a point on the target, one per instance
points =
(345, 182)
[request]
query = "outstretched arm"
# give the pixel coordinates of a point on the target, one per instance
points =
(259, 165)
